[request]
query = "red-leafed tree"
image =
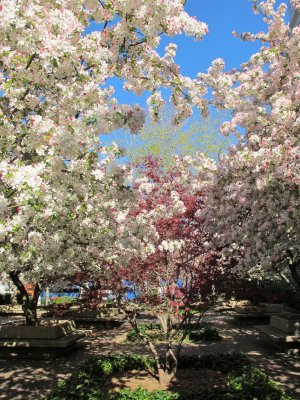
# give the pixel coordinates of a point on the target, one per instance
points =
(179, 279)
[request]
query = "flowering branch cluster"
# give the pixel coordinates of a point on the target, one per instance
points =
(59, 205)
(253, 195)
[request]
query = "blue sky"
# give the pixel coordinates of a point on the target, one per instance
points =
(222, 17)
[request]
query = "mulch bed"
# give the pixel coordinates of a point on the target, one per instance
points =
(187, 381)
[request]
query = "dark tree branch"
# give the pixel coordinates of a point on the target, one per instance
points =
(14, 276)
(105, 25)
(29, 62)
(29, 305)
(294, 268)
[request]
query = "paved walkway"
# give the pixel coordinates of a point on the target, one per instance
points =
(30, 379)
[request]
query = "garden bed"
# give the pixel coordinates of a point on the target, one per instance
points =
(211, 377)
(101, 324)
(201, 332)
(186, 381)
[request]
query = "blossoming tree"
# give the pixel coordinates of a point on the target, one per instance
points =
(55, 101)
(253, 201)
(176, 280)
(70, 223)
(162, 139)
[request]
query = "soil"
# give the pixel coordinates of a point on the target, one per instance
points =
(186, 381)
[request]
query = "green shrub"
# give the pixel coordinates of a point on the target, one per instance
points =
(154, 332)
(254, 384)
(206, 333)
(87, 382)
(234, 363)
(142, 394)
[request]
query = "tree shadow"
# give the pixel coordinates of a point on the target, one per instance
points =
(32, 378)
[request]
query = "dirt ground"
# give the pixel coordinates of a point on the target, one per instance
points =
(186, 381)
(30, 379)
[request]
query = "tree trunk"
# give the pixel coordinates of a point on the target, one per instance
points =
(166, 370)
(132, 321)
(29, 305)
(118, 300)
(169, 371)
(165, 377)
(295, 272)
